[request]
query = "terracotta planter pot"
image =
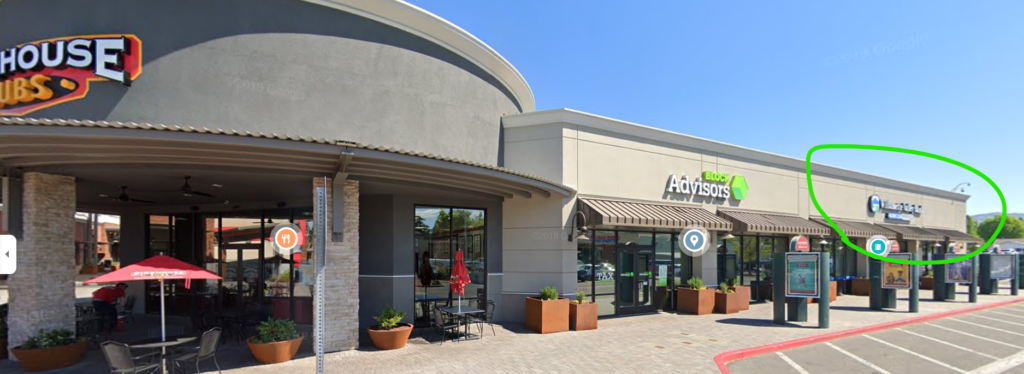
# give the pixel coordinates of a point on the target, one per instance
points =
(927, 283)
(727, 303)
(3, 349)
(699, 302)
(547, 316)
(861, 287)
(276, 352)
(583, 317)
(50, 358)
(89, 269)
(744, 296)
(391, 339)
(832, 292)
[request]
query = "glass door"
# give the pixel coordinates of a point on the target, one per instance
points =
(635, 280)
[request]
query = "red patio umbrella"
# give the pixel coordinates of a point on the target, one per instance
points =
(157, 268)
(460, 277)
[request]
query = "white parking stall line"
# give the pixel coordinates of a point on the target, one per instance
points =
(1008, 314)
(791, 363)
(974, 336)
(1001, 365)
(949, 344)
(937, 362)
(985, 327)
(858, 359)
(997, 320)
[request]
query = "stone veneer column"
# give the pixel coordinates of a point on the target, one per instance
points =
(342, 273)
(42, 289)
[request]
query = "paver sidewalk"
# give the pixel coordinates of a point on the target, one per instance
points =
(663, 341)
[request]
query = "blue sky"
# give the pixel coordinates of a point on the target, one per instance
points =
(938, 76)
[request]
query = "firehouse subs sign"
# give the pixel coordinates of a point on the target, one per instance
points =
(45, 73)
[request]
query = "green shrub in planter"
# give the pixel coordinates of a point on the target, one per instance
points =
(275, 330)
(549, 293)
(695, 283)
(724, 288)
(50, 339)
(389, 318)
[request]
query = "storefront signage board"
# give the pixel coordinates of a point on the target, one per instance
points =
(709, 184)
(1002, 267)
(960, 271)
(802, 271)
(896, 275)
(41, 74)
(799, 244)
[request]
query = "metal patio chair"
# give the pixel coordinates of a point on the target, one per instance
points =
(442, 325)
(128, 312)
(486, 317)
(120, 360)
(206, 350)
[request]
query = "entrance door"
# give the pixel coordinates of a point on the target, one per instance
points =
(242, 281)
(635, 280)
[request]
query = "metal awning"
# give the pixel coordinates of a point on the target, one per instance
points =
(624, 213)
(856, 229)
(773, 223)
(957, 236)
(914, 233)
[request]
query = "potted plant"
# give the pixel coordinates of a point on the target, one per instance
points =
(390, 332)
(50, 349)
(547, 313)
(743, 292)
(726, 300)
(694, 298)
(276, 341)
(582, 313)
(3, 332)
(928, 280)
(861, 287)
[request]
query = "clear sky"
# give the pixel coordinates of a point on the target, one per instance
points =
(939, 76)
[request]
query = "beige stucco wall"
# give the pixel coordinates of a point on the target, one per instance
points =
(608, 158)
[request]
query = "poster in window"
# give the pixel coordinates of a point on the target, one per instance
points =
(802, 271)
(896, 275)
(1002, 267)
(960, 271)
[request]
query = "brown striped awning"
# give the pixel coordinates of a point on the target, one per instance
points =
(856, 229)
(624, 213)
(773, 223)
(914, 233)
(957, 236)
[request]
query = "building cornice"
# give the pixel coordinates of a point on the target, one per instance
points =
(573, 117)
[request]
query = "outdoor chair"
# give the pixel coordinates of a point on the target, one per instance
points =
(119, 359)
(442, 325)
(206, 350)
(128, 312)
(486, 317)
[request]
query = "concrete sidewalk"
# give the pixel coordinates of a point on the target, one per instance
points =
(656, 342)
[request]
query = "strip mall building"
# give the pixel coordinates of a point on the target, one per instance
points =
(203, 131)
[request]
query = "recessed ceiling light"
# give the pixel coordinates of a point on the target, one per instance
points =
(104, 195)
(216, 185)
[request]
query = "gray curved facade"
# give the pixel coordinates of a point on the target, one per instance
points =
(279, 66)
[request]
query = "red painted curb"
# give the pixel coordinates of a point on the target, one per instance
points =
(724, 358)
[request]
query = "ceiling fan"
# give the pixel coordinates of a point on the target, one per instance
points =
(124, 198)
(187, 191)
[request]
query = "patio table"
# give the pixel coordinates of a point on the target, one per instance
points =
(155, 343)
(462, 313)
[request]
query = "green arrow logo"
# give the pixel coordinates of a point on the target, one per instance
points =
(738, 187)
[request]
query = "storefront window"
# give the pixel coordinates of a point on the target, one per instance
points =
(440, 233)
(663, 271)
(636, 238)
(602, 272)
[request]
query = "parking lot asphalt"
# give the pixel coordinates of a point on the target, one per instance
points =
(983, 342)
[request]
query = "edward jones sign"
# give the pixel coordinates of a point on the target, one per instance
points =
(45, 73)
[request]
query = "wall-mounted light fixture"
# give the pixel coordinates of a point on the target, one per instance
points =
(580, 229)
